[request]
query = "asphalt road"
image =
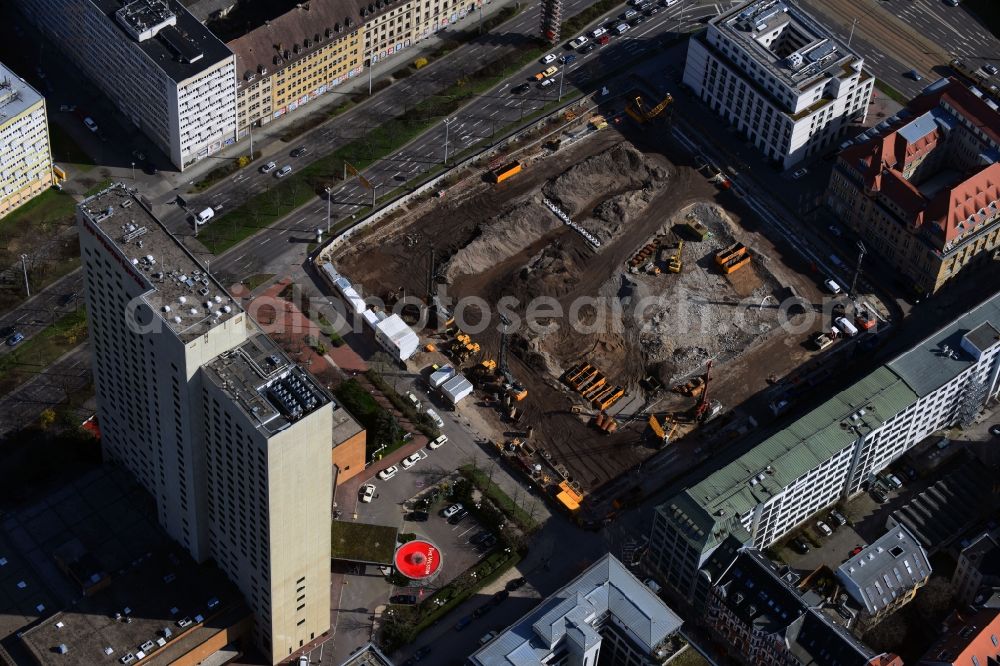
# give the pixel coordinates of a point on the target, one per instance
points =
(38, 312)
(51, 387)
(476, 122)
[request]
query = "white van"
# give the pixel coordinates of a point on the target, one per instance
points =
(205, 215)
(598, 32)
(621, 29)
(846, 327)
(433, 416)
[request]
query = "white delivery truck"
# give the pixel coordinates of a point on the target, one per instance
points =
(205, 215)
(846, 327)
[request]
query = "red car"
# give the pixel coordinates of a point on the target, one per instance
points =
(603, 39)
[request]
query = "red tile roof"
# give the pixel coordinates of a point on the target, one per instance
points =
(967, 638)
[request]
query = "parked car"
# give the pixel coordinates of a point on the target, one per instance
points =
(480, 537)
(482, 610)
(500, 596)
(991, 69)
(824, 528)
(435, 419)
(462, 623)
(548, 58)
(799, 546)
(487, 543)
(411, 460)
(856, 550)
(300, 151)
(832, 286)
(417, 516)
(438, 442)
(567, 59)
(546, 83)
(915, 75)
(994, 430)
(587, 48)
(91, 125)
(15, 339)
(546, 73)
(388, 472)
(837, 518)
(406, 599)
(451, 510)
(367, 493)
(598, 32)
(879, 495)
(283, 171)
(269, 167)
(894, 481)
(458, 517)
(578, 42)
(515, 583)
(521, 89)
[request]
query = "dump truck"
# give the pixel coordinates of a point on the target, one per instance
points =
(505, 172)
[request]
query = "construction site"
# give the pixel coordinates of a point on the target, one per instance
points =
(661, 324)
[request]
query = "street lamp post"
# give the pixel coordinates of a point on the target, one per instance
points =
(133, 172)
(24, 267)
(328, 196)
(562, 73)
(447, 124)
(862, 250)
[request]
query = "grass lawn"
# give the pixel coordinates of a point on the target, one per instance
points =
(689, 657)
(255, 281)
(66, 150)
(48, 210)
(34, 355)
(481, 480)
(361, 542)
(890, 92)
(103, 185)
(385, 435)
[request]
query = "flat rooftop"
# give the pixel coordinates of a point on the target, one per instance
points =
(109, 516)
(344, 425)
(787, 41)
(141, 612)
(271, 390)
(168, 33)
(16, 96)
(180, 291)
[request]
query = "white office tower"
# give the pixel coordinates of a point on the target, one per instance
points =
(780, 77)
(230, 437)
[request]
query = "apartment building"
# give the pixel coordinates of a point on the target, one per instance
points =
(167, 73)
(978, 568)
(830, 453)
(228, 435)
(885, 575)
(778, 76)
(764, 620)
(967, 641)
(604, 615)
(25, 155)
(286, 61)
(923, 187)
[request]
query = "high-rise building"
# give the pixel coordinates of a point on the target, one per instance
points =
(604, 615)
(165, 71)
(922, 188)
(829, 453)
(782, 79)
(25, 157)
(228, 435)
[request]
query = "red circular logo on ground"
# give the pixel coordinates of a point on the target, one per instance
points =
(418, 559)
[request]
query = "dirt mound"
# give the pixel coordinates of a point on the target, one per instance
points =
(606, 191)
(502, 237)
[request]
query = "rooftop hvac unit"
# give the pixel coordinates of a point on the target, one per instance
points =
(795, 61)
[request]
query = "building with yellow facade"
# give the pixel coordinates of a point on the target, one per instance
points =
(25, 155)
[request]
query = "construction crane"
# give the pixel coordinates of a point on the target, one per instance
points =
(638, 112)
(701, 409)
